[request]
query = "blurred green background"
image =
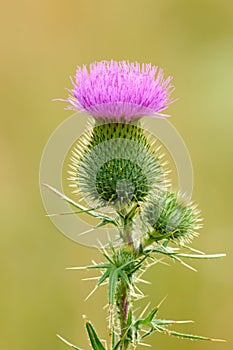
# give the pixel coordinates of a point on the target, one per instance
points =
(42, 42)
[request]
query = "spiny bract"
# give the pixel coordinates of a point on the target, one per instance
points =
(117, 166)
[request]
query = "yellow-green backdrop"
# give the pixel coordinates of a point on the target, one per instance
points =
(42, 42)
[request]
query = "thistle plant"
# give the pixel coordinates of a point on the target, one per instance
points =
(117, 171)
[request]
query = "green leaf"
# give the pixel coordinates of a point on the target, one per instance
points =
(108, 258)
(129, 216)
(174, 255)
(129, 319)
(103, 277)
(187, 336)
(146, 321)
(151, 315)
(113, 277)
(139, 264)
(158, 322)
(68, 343)
(106, 219)
(117, 345)
(105, 222)
(124, 277)
(95, 342)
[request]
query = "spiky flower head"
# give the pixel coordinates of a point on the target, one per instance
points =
(111, 89)
(171, 218)
(115, 165)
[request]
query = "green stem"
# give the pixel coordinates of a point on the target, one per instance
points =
(123, 297)
(123, 306)
(126, 225)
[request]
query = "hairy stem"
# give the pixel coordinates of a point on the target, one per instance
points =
(123, 295)
(123, 304)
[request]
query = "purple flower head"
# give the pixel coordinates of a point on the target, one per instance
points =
(120, 90)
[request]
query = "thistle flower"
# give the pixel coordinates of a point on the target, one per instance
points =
(116, 164)
(112, 89)
(170, 217)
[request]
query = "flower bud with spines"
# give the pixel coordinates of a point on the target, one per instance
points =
(118, 165)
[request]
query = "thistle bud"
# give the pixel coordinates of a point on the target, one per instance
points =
(115, 164)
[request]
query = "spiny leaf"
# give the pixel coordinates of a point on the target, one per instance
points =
(128, 217)
(146, 321)
(68, 343)
(151, 315)
(129, 319)
(95, 342)
(190, 256)
(187, 336)
(172, 255)
(139, 264)
(117, 345)
(105, 222)
(82, 209)
(177, 258)
(124, 276)
(188, 248)
(113, 277)
(70, 213)
(103, 277)
(108, 258)
(159, 322)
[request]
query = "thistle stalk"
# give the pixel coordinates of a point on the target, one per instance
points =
(123, 304)
(123, 295)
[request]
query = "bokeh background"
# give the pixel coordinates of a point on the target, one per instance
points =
(42, 42)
